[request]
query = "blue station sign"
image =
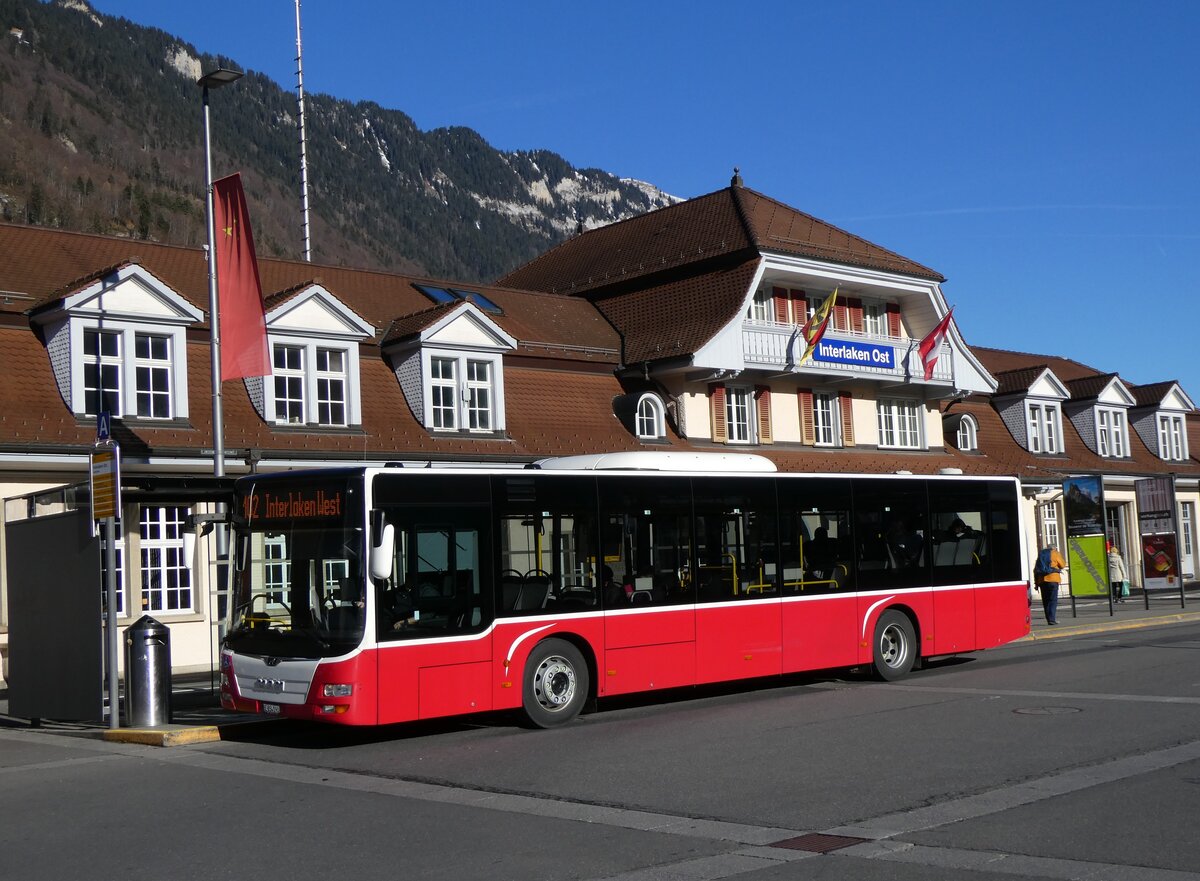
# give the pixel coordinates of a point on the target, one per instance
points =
(862, 354)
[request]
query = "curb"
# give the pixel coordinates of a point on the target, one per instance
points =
(180, 735)
(1061, 632)
(171, 735)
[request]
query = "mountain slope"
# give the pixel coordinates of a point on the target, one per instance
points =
(101, 131)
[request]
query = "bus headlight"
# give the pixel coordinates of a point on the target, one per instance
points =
(338, 689)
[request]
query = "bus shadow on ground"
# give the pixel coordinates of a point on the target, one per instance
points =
(318, 736)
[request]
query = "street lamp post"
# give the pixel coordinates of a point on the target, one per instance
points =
(214, 80)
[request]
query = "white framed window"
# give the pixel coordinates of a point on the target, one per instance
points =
(825, 419)
(166, 577)
(288, 377)
(968, 434)
(120, 573)
(1048, 524)
(277, 568)
(899, 423)
(1111, 431)
(131, 371)
(875, 319)
(312, 382)
(1172, 439)
(101, 372)
(739, 415)
(464, 392)
(760, 305)
(479, 395)
(1045, 428)
(152, 373)
(331, 386)
(650, 419)
(443, 387)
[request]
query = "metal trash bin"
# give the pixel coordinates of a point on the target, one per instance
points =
(147, 673)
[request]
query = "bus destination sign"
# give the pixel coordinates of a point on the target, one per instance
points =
(307, 503)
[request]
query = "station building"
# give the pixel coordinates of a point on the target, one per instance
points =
(676, 330)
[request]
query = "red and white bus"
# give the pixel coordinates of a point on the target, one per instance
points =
(374, 595)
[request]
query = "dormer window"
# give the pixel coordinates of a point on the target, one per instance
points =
(1172, 437)
(118, 345)
(310, 383)
(314, 379)
(1111, 432)
(450, 366)
(650, 420)
(1045, 427)
(967, 437)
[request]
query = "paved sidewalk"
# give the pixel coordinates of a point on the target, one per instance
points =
(1092, 614)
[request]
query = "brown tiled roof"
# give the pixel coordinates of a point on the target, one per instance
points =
(778, 227)
(1004, 454)
(408, 325)
(1152, 393)
(677, 317)
(727, 222)
(45, 264)
(1086, 387)
(999, 361)
(1013, 381)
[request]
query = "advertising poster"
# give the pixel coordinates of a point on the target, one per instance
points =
(1156, 524)
(1159, 568)
(1087, 557)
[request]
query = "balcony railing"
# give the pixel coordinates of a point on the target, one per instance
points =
(779, 346)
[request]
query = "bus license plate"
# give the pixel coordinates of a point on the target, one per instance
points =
(271, 709)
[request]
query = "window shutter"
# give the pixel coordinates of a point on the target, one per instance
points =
(799, 307)
(762, 407)
(893, 319)
(807, 430)
(856, 315)
(846, 407)
(716, 396)
(841, 315)
(779, 297)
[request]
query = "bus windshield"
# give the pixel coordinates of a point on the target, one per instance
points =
(298, 579)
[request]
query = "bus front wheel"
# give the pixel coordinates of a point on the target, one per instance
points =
(895, 647)
(556, 683)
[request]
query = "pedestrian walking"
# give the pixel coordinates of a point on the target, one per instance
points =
(1047, 575)
(1118, 576)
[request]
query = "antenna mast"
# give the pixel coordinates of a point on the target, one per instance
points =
(303, 140)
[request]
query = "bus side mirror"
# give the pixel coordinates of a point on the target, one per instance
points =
(382, 553)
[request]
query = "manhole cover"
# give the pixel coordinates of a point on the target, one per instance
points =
(1047, 711)
(819, 842)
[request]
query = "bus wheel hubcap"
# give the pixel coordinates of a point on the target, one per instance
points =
(892, 646)
(554, 683)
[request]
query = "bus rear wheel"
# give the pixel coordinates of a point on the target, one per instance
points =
(556, 683)
(895, 647)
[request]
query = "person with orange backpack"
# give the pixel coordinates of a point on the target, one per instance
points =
(1047, 575)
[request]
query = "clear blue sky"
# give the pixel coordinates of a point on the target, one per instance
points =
(1043, 156)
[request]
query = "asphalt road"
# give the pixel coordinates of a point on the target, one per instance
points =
(1067, 758)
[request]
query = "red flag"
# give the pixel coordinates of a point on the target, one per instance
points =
(932, 344)
(239, 294)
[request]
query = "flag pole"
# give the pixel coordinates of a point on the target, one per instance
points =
(213, 80)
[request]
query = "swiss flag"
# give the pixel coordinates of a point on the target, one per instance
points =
(932, 344)
(239, 293)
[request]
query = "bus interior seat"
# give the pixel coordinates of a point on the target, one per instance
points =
(510, 590)
(532, 595)
(840, 575)
(944, 553)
